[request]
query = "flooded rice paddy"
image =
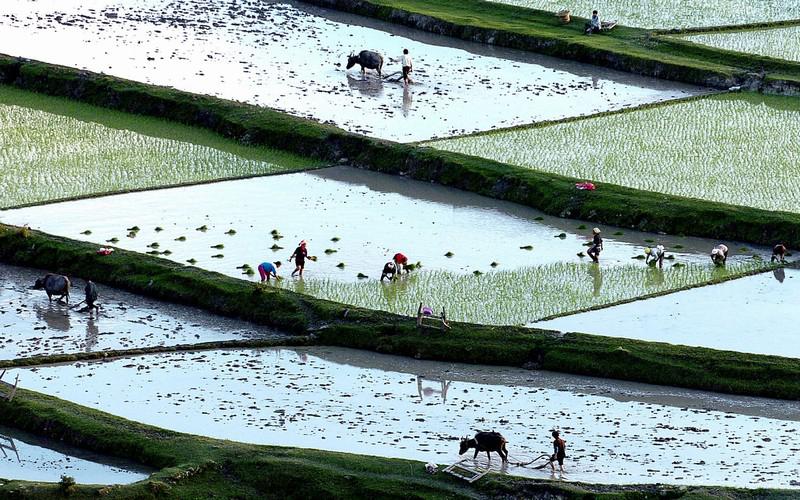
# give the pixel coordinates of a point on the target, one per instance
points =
(292, 57)
(27, 457)
(474, 250)
(693, 149)
(30, 325)
(781, 43)
(666, 14)
(616, 433)
(756, 314)
(75, 150)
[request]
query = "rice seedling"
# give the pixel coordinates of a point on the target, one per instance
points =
(153, 245)
(217, 256)
(202, 228)
(113, 240)
(520, 296)
(158, 229)
(340, 265)
(91, 158)
(275, 247)
(87, 232)
(329, 251)
(218, 246)
(781, 43)
(673, 13)
(230, 232)
(526, 247)
(335, 239)
(180, 238)
(449, 254)
(192, 261)
(740, 149)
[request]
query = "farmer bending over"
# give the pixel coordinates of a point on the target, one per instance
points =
(597, 245)
(559, 452)
(719, 254)
(593, 25)
(655, 255)
(389, 271)
(779, 253)
(400, 263)
(267, 269)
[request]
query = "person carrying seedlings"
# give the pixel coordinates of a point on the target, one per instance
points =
(597, 246)
(779, 253)
(406, 63)
(655, 255)
(299, 257)
(559, 452)
(267, 269)
(400, 263)
(719, 254)
(593, 25)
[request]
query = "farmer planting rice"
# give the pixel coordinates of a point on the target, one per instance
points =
(779, 253)
(719, 254)
(389, 271)
(597, 245)
(267, 269)
(299, 256)
(654, 255)
(400, 263)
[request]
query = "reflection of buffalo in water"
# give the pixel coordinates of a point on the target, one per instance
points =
(370, 87)
(367, 59)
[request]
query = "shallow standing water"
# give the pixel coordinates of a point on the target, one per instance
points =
(30, 325)
(27, 457)
(757, 314)
(292, 57)
(416, 410)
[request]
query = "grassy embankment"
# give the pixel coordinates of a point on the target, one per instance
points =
(197, 467)
(336, 324)
(550, 193)
(625, 48)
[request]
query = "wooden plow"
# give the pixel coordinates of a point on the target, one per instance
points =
(10, 446)
(469, 472)
(10, 389)
(426, 319)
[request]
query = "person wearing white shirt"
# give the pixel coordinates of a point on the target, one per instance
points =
(406, 61)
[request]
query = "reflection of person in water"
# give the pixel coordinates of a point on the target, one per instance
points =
(654, 277)
(6, 443)
(92, 332)
(597, 279)
(779, 274)
(407, 101)
(430, 391)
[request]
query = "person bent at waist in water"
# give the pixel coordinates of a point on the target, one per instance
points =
(719, 255)
(267, 269)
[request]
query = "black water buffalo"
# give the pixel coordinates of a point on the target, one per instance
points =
(54, 285)
(485, 441)
(367, 59)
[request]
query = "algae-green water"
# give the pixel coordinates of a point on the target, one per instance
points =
(521, 296)
(673, 13)
(741, 149)
(53, 148)
(781, 43)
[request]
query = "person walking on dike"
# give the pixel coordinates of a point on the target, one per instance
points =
(593, 25)
(299, 257)
(407, 64)
(655, 255)
(597, 246)
(779, 253)
(267, 269)
(719, 254)
(559, 452)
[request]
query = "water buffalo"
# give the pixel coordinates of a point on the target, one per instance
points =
(367, 59)
(54, 285)
(485, 441)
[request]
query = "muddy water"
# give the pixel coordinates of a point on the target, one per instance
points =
(319, 398)
(30, 458)
(293, 58)
(32, 326)
(373, 215)
(757, 314)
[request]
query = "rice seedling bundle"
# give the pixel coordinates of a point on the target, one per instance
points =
(740, 149)
(516, 297)
(781, 43)
(673, 13)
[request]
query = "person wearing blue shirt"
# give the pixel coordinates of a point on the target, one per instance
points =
(267, 269)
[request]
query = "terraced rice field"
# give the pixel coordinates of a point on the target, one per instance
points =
(520, 296)
(53, 149)
(781, 43)
(292, 57)
(666, 14)
(362, 402)
(741, 149)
